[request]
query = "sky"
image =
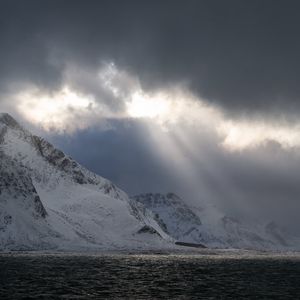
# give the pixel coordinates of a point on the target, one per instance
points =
(200, 98)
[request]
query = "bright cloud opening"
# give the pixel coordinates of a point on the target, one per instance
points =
(55, 111)
(171, 108)
(244, 135)
(143, 106)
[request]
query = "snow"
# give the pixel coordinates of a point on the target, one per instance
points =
(212, 228)
(173, 215)
(50, 202)
(84, 210)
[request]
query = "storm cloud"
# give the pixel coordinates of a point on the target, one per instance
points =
(243, 55)
(227, 71)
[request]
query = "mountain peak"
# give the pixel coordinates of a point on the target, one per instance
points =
(9, 121)
(49, 201)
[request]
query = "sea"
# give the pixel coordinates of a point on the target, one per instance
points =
(149, 276)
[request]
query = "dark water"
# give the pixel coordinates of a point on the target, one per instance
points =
(148, 277)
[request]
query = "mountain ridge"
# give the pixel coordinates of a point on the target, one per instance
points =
(49, 201)
(80, 208)
(190, 226)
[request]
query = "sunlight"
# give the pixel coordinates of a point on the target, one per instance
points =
(171, 108)
(143, 106)
(53, 111)
(241, 135)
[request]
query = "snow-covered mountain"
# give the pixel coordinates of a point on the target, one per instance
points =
(49, 201)
(211, 228)
(173, 216)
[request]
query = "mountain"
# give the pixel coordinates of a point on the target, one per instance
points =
(173, 215)
(193, 225)
(49, 201)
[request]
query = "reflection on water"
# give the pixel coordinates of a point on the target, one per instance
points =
(148, 277)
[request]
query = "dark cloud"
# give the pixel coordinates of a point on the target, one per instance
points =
(243, 55)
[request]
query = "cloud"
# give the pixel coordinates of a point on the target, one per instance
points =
(242, 56)
(89, 98)
(239, 136)
(61, 111)
(197, 97)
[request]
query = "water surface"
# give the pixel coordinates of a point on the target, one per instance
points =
(149, 277)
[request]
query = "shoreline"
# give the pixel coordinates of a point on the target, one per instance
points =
(222, 253)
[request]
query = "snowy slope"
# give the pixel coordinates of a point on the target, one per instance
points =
(213, 228)
(48, 201)
(21, 210)
(173, 216)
